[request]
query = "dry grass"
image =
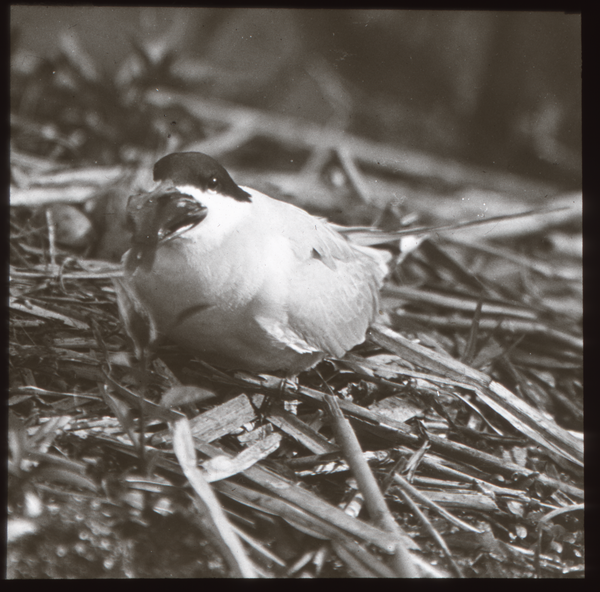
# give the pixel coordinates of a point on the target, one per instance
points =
(468, 408)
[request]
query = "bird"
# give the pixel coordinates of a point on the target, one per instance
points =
(240, 279)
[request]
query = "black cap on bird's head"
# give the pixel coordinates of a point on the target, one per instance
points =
(198, 170)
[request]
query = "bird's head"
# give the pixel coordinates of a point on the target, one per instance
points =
(191, 185)
(199, 172)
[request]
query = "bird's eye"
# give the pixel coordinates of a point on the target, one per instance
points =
(213, 184)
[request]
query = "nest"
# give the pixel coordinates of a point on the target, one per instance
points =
(449, 444)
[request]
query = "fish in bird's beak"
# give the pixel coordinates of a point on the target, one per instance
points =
(157, 217)
(257, 284)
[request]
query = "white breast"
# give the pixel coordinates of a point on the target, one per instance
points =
(260, 285)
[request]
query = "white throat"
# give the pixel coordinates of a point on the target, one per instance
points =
(224, 215)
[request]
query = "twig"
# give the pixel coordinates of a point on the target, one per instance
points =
(523, 416)
(404, 484)
(52, 240)
(44, 313)
(258, 546)
(470, 349)
(359, 568)
(354, 175)
(330, 519)
(549, 271)
(186, 455)
(513, 326)
(400, 432)
(307, 134)
(461, 303)
(432, 531)
(368, 485)
(373, 562)
(540, 528)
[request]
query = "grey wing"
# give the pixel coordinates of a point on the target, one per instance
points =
(334, 293)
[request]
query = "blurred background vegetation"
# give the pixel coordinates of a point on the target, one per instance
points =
(498, 89)
(371, 117)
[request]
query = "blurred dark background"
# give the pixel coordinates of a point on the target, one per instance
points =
(498, 89)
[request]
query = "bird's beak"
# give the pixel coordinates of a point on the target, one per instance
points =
(178, 215)
(159, 216)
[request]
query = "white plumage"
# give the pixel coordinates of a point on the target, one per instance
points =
(257, 284)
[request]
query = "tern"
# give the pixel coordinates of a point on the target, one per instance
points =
(240, 279)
